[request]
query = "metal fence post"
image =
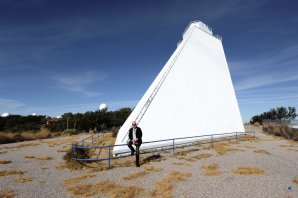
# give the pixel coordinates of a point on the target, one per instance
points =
(173, 146)
(212, 141)
(236, 137)
(109, 156)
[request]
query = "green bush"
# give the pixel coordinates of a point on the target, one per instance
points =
(70, 131)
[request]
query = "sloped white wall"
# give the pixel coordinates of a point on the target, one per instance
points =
(196, 98)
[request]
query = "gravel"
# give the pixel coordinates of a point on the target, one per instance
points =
(280, 167)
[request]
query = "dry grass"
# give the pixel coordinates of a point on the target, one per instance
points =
(262, 152)
(182, 163)
(246, 170)
(223, 148)
(292, 149)
(38, 158)
(3, 152)
(185, 152)
(295, 180)
(44, 158)
(11, 172)
(75, 180)
(202, 156)
(189, 159)
(164, 188)
(5, 161)
(135, 175)
(9, 137)
(63, 150)
(108, 189)
(7, 193)
(42, 182)
(210, 169)
(151, 168)
(20, 146)
(23, 180)
(29, 157)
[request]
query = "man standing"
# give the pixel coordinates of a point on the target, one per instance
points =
(135, 138)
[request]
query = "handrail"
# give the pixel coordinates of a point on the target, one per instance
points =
(157, 148)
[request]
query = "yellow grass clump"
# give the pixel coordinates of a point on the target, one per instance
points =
(164, 188)
(2, 152)
(223, 148)
(7, 193)
(295, 180)
(108, 189)
(77, 179)
(11, 172)
(202, 156)
(20, 146)
(23, 180)
(182, 163)
(210, 169)
(29, 156)
(5, 161)
(262, 152)
(151, 168)
(246, 170)
(44, 158)
(135, 175)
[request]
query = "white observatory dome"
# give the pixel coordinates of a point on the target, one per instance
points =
(59, 117)
(103, 107)
(5, 114)
(34, 114)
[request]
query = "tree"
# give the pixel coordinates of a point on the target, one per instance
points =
(279, 113)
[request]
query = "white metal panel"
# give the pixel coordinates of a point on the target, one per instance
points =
(196, 98)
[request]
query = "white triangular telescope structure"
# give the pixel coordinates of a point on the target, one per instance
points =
(192, 95)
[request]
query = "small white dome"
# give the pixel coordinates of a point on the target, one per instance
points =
(103, 107)
(59, 117)
(5, 114)
(34, 114)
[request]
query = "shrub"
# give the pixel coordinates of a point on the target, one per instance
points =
(70, 131)
(257, 124)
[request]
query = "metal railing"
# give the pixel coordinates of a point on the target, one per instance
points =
(175, 144)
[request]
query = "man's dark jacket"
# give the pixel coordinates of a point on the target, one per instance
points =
(139, 134)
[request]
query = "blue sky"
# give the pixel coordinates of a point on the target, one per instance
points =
(60, 56)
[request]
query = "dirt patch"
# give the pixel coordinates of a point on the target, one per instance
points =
(108, 189)
(5, 161)
(11, 172)
(135, 175)
(164, 188)
(23, 180)
(7, 193)
(246, 170)
(295, 180)
(210, 169)
(262, 152)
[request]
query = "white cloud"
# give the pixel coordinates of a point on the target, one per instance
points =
(79, 82)
(8, 104)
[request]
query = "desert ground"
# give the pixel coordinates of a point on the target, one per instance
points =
(261, 167)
